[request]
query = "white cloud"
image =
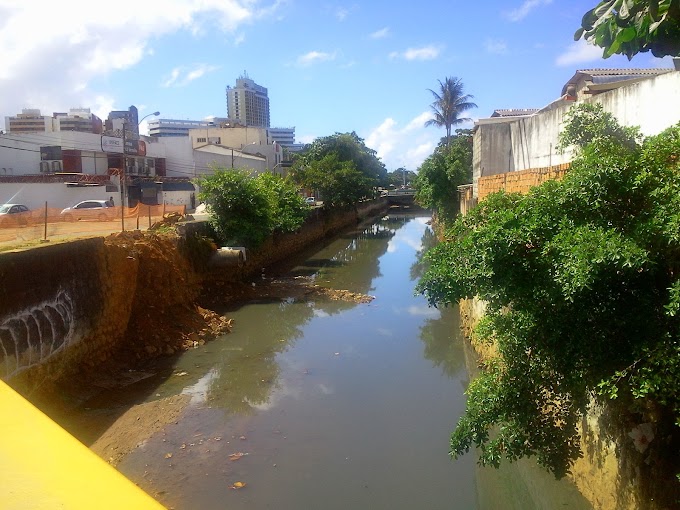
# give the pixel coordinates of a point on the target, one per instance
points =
(180, 76)
(579, 52)
(496, 46)
(425, 53)
(404, 146)
(341, 13)
(305, 138)
(314, 57)
(424, 311)
(85, 44)
(523, 10)
(380, 34)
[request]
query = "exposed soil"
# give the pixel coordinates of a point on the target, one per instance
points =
(136, 425)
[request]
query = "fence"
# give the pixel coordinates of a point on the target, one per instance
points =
(50, 223)
(521, 181)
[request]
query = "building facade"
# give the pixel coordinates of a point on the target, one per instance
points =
(528, 140)
(160, 128)
(248, 103)
(81, 120)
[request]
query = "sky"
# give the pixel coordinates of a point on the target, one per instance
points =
(329, 66)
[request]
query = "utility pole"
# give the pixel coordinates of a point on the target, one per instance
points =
(122, 182)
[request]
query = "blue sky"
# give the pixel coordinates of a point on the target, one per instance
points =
(330, 66)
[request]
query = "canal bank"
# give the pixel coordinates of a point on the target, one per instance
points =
(70, 309)
(615, 471)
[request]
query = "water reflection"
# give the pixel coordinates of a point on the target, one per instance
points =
(442, 345)
(350, 263)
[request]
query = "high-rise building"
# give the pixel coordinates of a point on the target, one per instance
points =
(248, 103)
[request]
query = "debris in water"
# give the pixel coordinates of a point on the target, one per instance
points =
(180, 374)
(168, 455)
(237, 456)
(238, 485)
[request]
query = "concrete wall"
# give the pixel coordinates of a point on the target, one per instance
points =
(513, 144)
(58, 195)
(20, 153)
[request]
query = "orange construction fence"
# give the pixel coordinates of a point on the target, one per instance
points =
(47, 222)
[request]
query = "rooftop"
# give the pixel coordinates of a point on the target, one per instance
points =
(514, 112)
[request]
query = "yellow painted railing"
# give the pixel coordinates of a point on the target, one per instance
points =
(43, 467)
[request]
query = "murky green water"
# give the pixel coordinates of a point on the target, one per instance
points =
(334, 405)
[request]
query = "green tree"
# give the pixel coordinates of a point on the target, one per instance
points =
(582, 281)
(340, 183)
(441, 173)
(341, 167)
(400, 176)
(245, 210)
(628, 27)
(449, 103)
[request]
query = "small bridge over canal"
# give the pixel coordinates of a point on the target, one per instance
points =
(401, 197)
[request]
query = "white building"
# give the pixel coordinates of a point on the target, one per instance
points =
(283, 136)
(516, 140)
(174, 127)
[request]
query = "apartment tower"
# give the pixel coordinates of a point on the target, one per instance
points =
(248, 103)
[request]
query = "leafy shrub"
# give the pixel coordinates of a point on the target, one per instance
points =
(246, 209)
(582, 280)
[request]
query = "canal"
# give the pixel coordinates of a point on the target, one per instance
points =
(316, 403)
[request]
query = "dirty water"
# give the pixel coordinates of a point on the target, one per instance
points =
(330, 404)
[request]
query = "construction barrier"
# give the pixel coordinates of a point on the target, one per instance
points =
(50, 223)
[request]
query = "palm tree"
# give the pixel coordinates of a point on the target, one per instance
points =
(448, 104)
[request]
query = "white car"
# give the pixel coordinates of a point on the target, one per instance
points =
(101, 210)
(310, 201)
(14, 214)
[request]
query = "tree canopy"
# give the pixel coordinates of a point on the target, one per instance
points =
(442, 172)
(628, 27)
(341, 168)
(582, 281)
(449, 104)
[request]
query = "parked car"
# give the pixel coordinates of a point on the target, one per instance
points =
(14, 214)
(101, 210)
(310, 201)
